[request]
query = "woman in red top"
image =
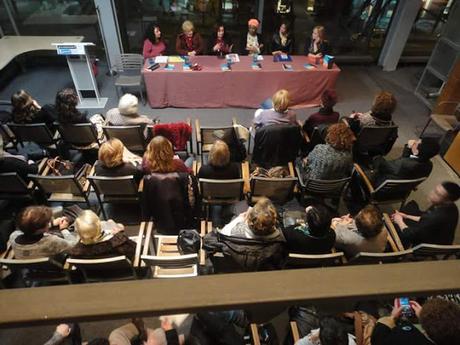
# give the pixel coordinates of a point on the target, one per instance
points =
(154, 45)
(219, 42)
(159, 158)
(189, 42)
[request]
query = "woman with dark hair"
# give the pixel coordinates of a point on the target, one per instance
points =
(317, 46)
(66, 108)
(381, 112)
(220, 42)
(27, 110)
(325, 114)
(154, 44)
(283, 40)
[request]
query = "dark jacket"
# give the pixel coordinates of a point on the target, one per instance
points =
(323, 47)
(119, 244)
(243, 41)
(322, 117)
(228, 172)
(78, 117)
(248, 254)
(300, 240)
(46, 114)
(125, 169)
(21, 167)
(402, 334)
(197, 44)
(227, 44)
(436, 226)
(403, 168)
(276, 44)
(171, 200)
(276, 145)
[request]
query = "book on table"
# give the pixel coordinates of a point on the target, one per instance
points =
(282, 58)
(233, 58)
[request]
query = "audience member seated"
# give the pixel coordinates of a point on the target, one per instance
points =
(332, 160)
(127, 113)
(315, 235)
(330, 332)
(219, 166)
(439, 320)
(66, 108)
(413, 163)
(189, 42)
(251, 42)
(159, 158)
(220, 42)
(317, 46)
(325, 115)
(154, 44)
(96, 242)
(27, 110)
(283, 40)
(364, 233)
(437, 224)
(279, 114)
(114, 159)
(34, 239)
(380, 114)
(16, 163)
(252, 239)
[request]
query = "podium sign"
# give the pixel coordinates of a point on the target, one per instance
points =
(81, 71)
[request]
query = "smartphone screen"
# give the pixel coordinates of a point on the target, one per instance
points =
(406, 308)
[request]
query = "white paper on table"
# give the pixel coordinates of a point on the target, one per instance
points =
(161, 59)
(260, 58)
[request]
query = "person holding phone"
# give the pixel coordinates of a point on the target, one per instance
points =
(439, 320)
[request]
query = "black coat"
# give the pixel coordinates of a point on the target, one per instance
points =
(125, 169)
(399, 335)
(243, 41)
(302, 243)
(228, 172)
(323, 47)
(276, 44)
(21, 167)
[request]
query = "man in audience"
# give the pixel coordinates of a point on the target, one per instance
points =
(439, 319)
(33, 239)
(364, 233)
(437, 224)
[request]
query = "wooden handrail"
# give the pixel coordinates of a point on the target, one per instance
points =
(245, 175)
(393, 232)
(366, 180)
(152, 297)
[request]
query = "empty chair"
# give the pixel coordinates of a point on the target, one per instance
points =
(131, 136)
(220, 192)
(81, 136)
(108, 269)
(316, 260)
(426, 251)
(380, 258)
(174, 266)
(13, 187)
(129, 68)
(375, 140)
(122, 189)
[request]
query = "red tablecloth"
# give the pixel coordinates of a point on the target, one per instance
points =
(241, 87)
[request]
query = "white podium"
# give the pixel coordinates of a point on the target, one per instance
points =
(82, 74)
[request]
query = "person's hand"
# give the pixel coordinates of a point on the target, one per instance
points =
(36, 104)
(346, 218)
(63, 329)
(277, 52)
(411, 143)
(416, 307)
(166, 324)
(216, 47)
(397, 217)
(397, 310)
(63, 223)
(30, 162)
(117, 228)
(192, 53)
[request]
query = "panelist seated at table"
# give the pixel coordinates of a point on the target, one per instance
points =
(154, 44)
(252, 42)
(317, 46)
(279, 114)
(189, 42)
(220, 42)
(27, 110)
(283, 40)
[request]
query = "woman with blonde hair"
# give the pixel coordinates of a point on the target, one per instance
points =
(280, 112)
(219, 166)
(114, 159)
(159, 158)
(100, 239)
(317, 46)
(189, 42)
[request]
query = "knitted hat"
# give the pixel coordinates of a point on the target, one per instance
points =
(428, 148)
(253, 22)
(128, 104)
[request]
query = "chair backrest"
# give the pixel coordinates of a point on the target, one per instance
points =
(396, 189)
(316, 136)
(131, 136)
(376, 139)
(34, 132)
(324, 188)
(129, 63)
(210, 134)
(380, 258)
(107, 269)
(79, 134)
(12, 183)
(221, 191)
(114, 186)
(314, 260)
(278, 190)
(172, 266)
(425, 251)
(58, 184)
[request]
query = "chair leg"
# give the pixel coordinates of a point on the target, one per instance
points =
(426, 126)
(117, 91)
(141, 91)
